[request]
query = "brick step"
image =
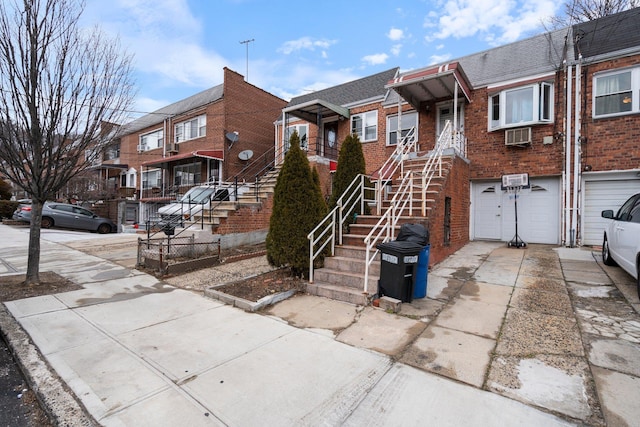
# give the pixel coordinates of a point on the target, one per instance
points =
(373, 220)
(339, 293)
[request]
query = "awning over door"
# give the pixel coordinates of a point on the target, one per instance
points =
(311, 110)
(205, 154)
(431, 84)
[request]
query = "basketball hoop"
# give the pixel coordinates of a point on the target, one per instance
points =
(513, 184)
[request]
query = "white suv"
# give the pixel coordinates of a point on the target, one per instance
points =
(621, 243)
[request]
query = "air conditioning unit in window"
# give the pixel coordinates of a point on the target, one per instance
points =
(141, 148)
(172, 148)
(519, 136)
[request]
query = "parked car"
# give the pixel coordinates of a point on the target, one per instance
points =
(198, 199)
(621, 244)
(67, 216)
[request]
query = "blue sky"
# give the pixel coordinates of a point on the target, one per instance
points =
(181, 46)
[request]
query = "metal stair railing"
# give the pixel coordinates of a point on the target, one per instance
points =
(395, 162)
(254, 171)
(433, 164)
(331, 227)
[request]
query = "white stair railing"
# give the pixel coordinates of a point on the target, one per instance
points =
(433, 165)
(330, 229)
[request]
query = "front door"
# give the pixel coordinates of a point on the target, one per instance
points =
(330, 146)
(445, 112)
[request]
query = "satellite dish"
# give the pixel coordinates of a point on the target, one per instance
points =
(245, 155)
(232, 137)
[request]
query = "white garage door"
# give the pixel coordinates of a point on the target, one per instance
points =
(604, 194)
(494, 214)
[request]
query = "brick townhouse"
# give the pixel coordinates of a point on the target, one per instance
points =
(562, 106)
(193, 141)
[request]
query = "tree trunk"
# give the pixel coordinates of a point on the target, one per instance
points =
(33, 264)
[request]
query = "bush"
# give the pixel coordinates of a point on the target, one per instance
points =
(7, 208)
(350, 164)
(297, 209)
(5, 190)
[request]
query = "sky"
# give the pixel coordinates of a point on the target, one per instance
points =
(180, 47)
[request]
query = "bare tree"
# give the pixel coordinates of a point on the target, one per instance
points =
(587, 10)
(59, 83)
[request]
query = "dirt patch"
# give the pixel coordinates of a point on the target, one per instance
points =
(13, 287)
(260, 286)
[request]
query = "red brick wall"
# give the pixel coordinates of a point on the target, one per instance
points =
(247, 218)
(457, 188)
(251, 112)
(612, 143)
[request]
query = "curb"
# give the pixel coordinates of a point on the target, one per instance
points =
(56, 400)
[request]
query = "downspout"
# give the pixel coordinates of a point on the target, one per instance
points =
(576, 153)
(567, 152)
(284, 126)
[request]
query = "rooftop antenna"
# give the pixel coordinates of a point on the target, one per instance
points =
(246, 43)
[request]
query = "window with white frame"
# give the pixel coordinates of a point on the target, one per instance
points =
(521, 106)
(408, 120)
(152, 178)
(151, 140)
(189, 174)
(194, 128)
(365, 125)
(303, 132)
(614, 92)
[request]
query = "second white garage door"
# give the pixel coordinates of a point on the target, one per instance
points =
(538, 212)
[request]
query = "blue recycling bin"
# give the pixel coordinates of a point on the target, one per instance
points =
(422, 270)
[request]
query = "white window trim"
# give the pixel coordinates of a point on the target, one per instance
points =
(635, 91)
(364, 114)
(404, 114)
(145, 147)
(145, 175)
(202, 123)
(538, 94)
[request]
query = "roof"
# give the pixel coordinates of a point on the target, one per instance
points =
(157, 117)
(370, 87)
(206, 154)
(609, 34)
(430, 84)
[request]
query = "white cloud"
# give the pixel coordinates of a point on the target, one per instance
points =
(437, 59)
(304, 43)
(395, 34)
(395, 49)
(376, 59)
(496, 21)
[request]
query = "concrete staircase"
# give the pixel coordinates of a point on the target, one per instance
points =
(342, 277)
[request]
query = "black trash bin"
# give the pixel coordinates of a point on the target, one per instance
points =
(397, 263)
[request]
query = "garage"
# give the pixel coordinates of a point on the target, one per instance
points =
(604, 191)
(493, 212)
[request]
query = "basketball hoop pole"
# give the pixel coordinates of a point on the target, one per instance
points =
(516, 242)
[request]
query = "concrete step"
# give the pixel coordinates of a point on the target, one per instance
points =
(339, 293)
(343, 278)
(351, 265)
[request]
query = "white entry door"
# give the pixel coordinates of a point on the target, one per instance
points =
(538, 212)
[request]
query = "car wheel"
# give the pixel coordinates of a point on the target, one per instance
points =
(104, 228)
(606, 256)
(46, 222)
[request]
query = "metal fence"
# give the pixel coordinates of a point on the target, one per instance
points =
(178, 254)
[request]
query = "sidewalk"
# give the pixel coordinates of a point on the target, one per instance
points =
(505, 336)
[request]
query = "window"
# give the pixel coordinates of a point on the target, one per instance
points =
(365, 125)
(189, 174)
(112, 152)
(521, 106)
(614, 93)
(151, 140)
(194, 128)
(151, 179)
(302, 130)
(409, 120)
